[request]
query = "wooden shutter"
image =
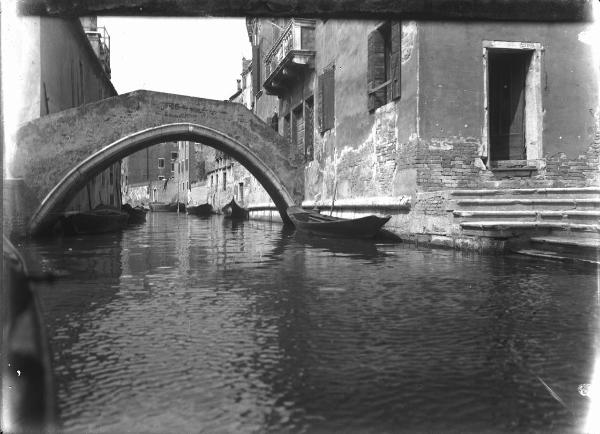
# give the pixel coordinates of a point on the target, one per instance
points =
(329, 98)
(256, 63)
(396, 59)
(320, 103)
(375, 69)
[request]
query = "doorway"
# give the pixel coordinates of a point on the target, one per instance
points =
(512, 127)
(507, 78)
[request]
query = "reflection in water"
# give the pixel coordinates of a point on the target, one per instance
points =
(187, 324)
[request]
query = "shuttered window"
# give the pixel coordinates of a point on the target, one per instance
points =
(327, 99)
(384, 60)
(256, 79)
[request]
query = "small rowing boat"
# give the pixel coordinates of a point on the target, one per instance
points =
(136, 214)
(204, 210)
(314, 223)
(100, 220)
(233, 211)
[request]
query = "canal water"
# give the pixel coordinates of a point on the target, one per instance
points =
(186, 324)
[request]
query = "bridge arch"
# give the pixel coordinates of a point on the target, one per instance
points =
(58, 198)
(59, 153)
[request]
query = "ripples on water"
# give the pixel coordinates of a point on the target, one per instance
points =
(203, 325)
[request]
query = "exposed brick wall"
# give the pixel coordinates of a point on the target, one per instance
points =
(446, 164)
(454, 164)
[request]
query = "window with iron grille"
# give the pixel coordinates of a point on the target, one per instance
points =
(384, 60)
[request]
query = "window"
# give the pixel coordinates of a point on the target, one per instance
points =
(298, 129)
(111, 178)
(224, 180)
(161, 163)
(327, 99)
(275, 122)
(112, 199)
(187, 164)
(188, 185)
(211, 180)
(287, 128)
(512, 95)
(309, 129)
(241, 191)
(172, 167)
(81, 95)
(256, 63)
(173, 156)
(384, 64)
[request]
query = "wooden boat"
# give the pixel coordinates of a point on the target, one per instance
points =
(136, 214)
(159, 207)
(314, 223)
(204, 209)
(173, 206)
(100, 220)
(233, 211)
(28, 390)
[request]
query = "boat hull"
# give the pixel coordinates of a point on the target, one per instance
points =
(159, 207)
(233, 211)
(95, 222)
(314, 223)
(136, 215)
(202, 210)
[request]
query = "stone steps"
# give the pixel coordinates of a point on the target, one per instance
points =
(544, 254)
(581, 247)
(512, 212)
(526, 203)
(550, 216)
(571, 192)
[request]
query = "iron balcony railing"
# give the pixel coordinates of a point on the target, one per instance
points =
(297, 38)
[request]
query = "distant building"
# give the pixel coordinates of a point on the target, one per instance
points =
(149, 175)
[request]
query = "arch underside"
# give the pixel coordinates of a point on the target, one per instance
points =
(57, 199)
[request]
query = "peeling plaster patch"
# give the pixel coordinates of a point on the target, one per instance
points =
(409, 32)
(440, 144)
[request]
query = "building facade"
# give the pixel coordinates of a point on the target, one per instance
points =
(149, 175)
(431, 121)
(70, 66)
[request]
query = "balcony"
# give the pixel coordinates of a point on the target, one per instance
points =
(291, 54)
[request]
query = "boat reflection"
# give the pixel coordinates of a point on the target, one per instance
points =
(352, 248)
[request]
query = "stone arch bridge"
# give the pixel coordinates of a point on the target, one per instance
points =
(59, 153)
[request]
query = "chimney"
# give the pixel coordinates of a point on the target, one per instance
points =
(239, 83)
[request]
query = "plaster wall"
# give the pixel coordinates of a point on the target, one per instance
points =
(451, 76)
(71, 74)
(366, 154)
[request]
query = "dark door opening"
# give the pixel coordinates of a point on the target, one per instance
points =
(506, 104)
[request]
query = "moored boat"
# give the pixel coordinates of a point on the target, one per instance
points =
(314, 223)
(173, 206)
(136, 214)
(100, 220)
(203, 209)
(234, 211)
(159, 207)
